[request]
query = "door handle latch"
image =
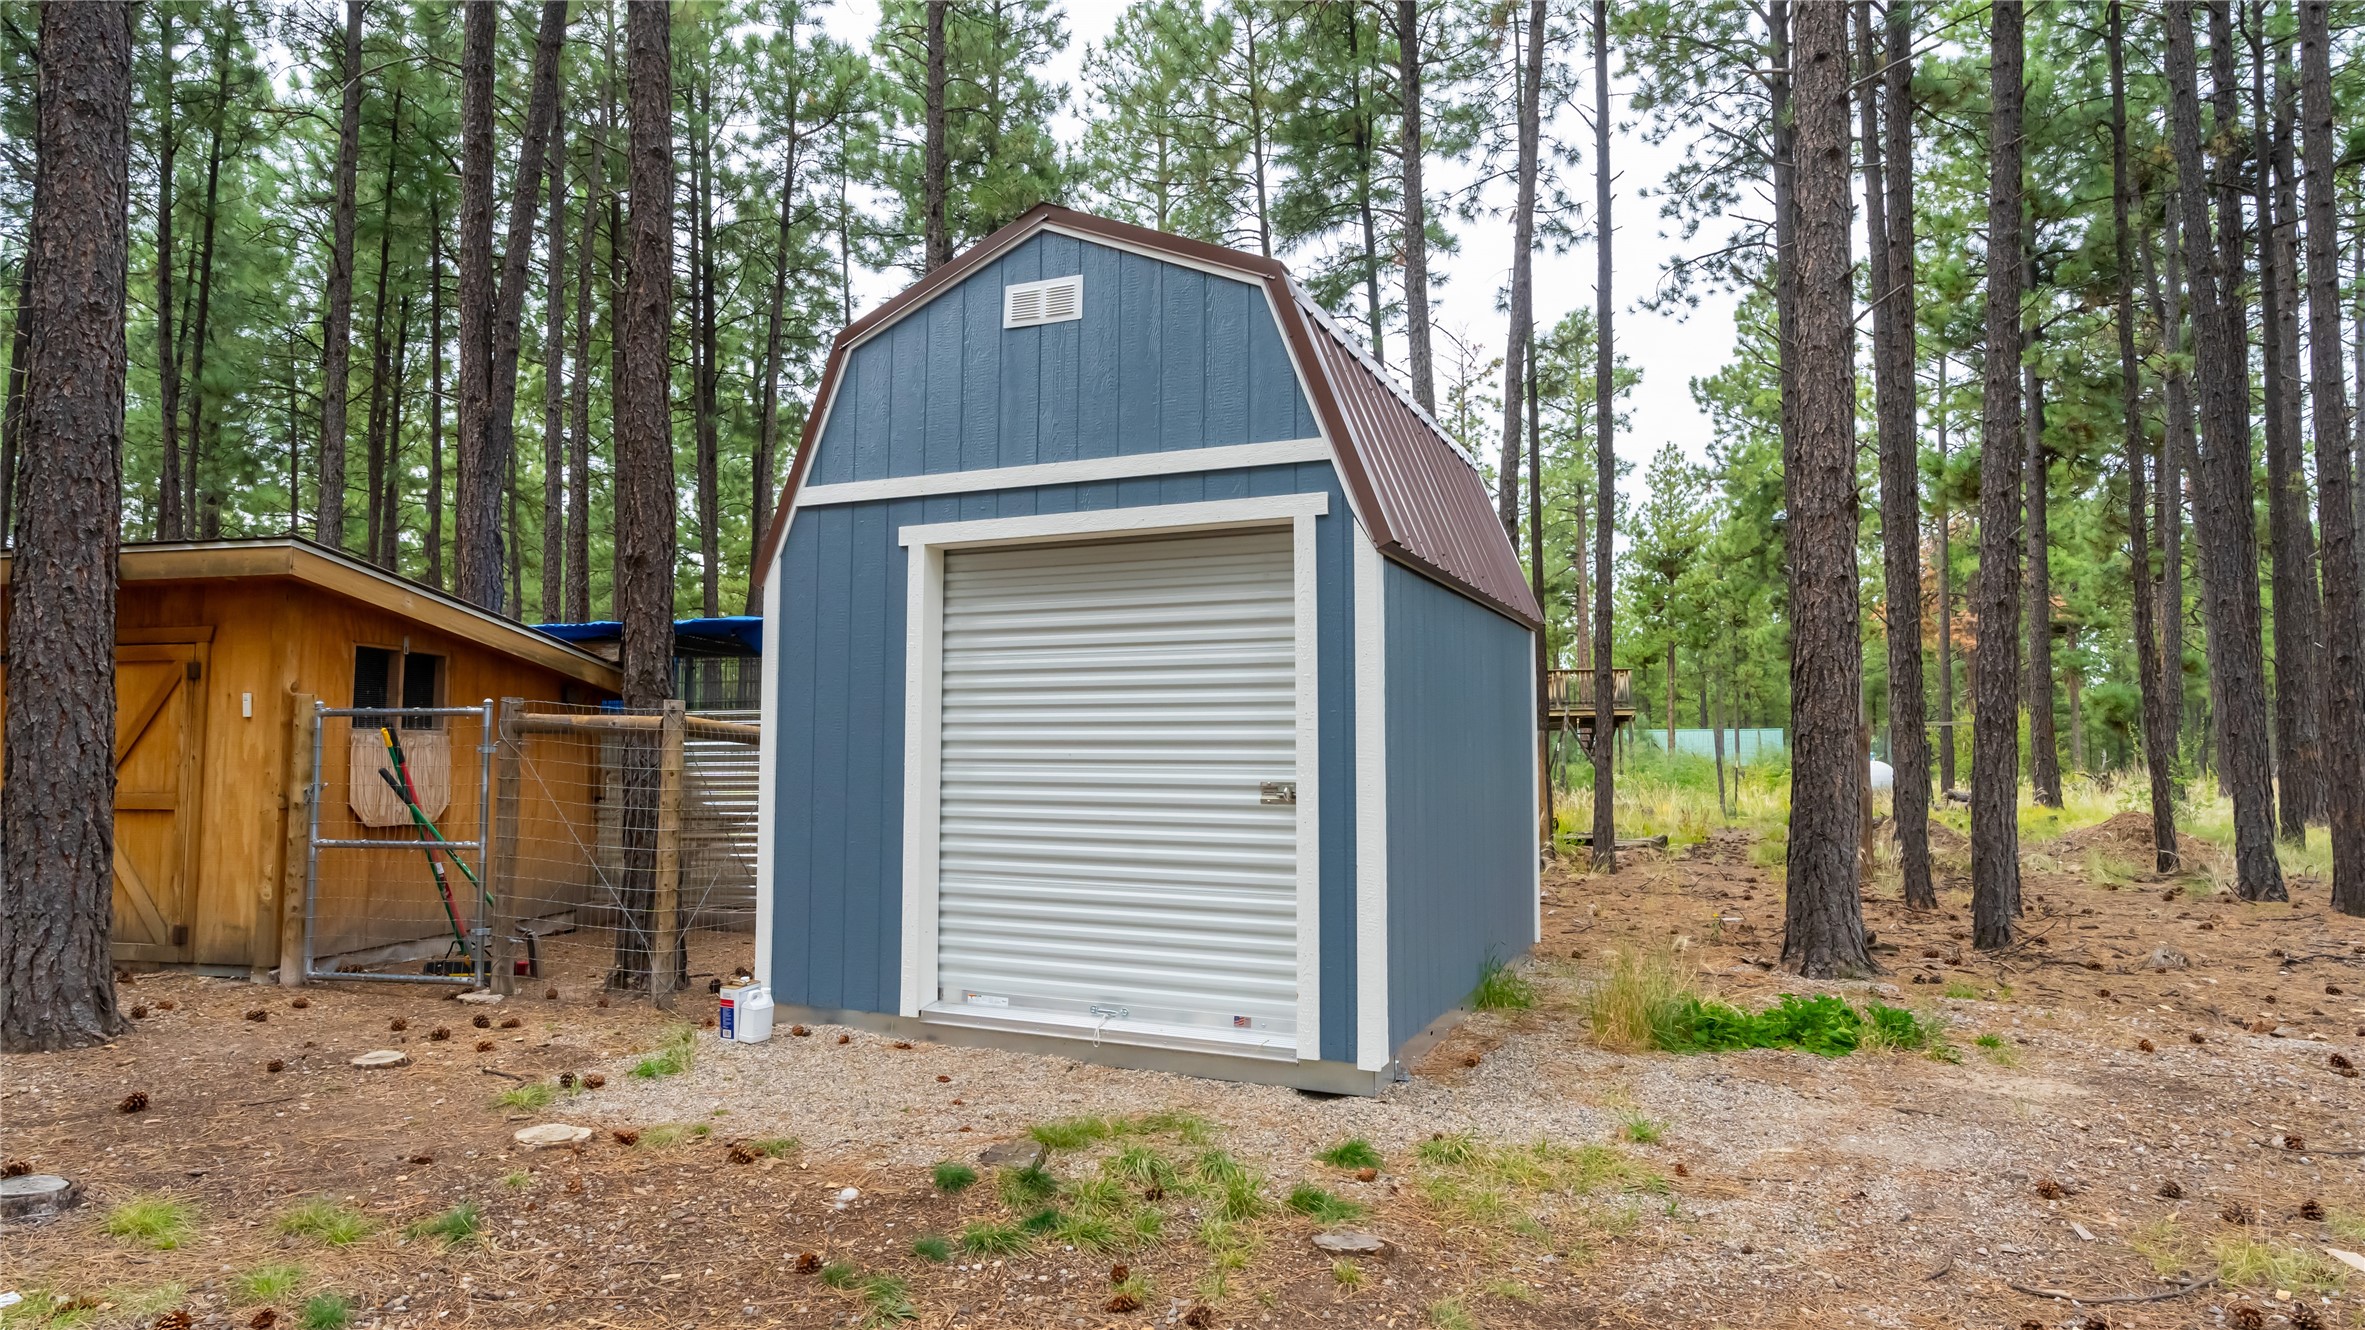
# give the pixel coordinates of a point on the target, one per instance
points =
(1277, 792)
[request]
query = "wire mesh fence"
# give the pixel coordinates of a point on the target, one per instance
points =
(621, 842)
(395, 880)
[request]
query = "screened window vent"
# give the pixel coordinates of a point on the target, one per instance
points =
(1027, 304)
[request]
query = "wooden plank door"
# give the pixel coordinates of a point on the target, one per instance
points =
(159, 738)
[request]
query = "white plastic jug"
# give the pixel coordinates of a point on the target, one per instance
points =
(754, 1015)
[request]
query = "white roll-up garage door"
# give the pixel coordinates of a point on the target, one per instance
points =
(1119, 727)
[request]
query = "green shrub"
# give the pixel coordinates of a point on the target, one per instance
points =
(1022, 1187)
(268, 1283)
(934, 1247)
(1141, 1166)
(531, 1097)
(454, 1226)
(159, 1222)
(327, 1311)
(673, 1056)
(887, 1299)
(1354, 1152)
(840, 1274)
(1823, 1025)
(984, 1239)
(1322, 1206)
(1502, 988)
(1073, 1133)
(953, 1178)
(324, 1220)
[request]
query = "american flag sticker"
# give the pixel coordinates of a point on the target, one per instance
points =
(1239, 1022)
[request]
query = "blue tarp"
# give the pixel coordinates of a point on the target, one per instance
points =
(743, 633)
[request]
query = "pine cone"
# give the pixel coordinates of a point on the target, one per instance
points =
(482, 1021)
(135, 1102)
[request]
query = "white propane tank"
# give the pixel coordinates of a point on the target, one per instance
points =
(754, 1015)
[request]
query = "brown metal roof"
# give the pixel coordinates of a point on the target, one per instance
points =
(1421, 501)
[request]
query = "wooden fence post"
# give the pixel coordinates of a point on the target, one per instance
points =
(296, 839)
(502, 862)
(665, 969)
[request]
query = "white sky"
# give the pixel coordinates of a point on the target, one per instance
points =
(1668, 350)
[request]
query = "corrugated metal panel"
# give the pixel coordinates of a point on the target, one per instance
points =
(1433, 503)
(1110, 713)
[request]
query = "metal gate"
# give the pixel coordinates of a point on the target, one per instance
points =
(395, 864)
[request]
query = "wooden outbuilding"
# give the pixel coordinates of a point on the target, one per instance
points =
(222, 649)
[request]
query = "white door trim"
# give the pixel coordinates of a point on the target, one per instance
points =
(923, 711)
(1371, 809)
(767, 785)
(1080, 471)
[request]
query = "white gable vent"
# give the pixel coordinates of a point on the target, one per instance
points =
(1028, 304)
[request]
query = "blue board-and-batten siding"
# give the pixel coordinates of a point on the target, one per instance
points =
(837, 823)
(1166, 357)
(1460, 724)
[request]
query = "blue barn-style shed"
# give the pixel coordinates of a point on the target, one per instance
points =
(1151, 681)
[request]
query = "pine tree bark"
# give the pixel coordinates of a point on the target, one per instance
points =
(475, 555)
(435, 400)
(2171, 466)
(202, 334)
(57, 791)
(709, 366)
(936, 164)
(578, 555)
(1888, 194)
(1523, 239)
(389, 549)
(488, 454)
(1605, 418)
(644, 444)
(12, 410)
(2044, 743)
(1995, 594)
(2159, 752)
(170, 523)
(336, 338)
(2299, 775)
(765, 461)
(2344, 606)
(1418, 356)
(375, 431)
(2228, 538)
(1946, 711)
(1823, 922)
(554, 381)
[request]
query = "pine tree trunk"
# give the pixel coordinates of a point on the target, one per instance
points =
(434, 538)
(578, 556)
(487, 464)
(1605, 419)
(203, 333)
(2044, 744)
(1946, 711)
(375, 431)
(1523, 233)
(170, 523)
(389, 551)
(57, 791)
(762, 466)
(2158, 725)
(1888, 193)
(1823, 925)
(1418, 357)
(709, 367)
(1995, 595)
(336, 345)
(2168, 472)
(12, 411)
(2344, 607)
(475, 552)
(644, 445)
(2228, 539)
(554, 382)
(936, 166)
(2299, 775)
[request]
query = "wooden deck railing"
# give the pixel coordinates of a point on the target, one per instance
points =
(1572, 690)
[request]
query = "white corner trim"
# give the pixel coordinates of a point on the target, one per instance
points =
(923, 736)
(1371, 809)
(1083, 471)
(1168, 518)
(1309, 789)
(923, 753)
(767, 786)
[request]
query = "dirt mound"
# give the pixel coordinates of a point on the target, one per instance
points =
(1946, 839)
(2129, 835)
